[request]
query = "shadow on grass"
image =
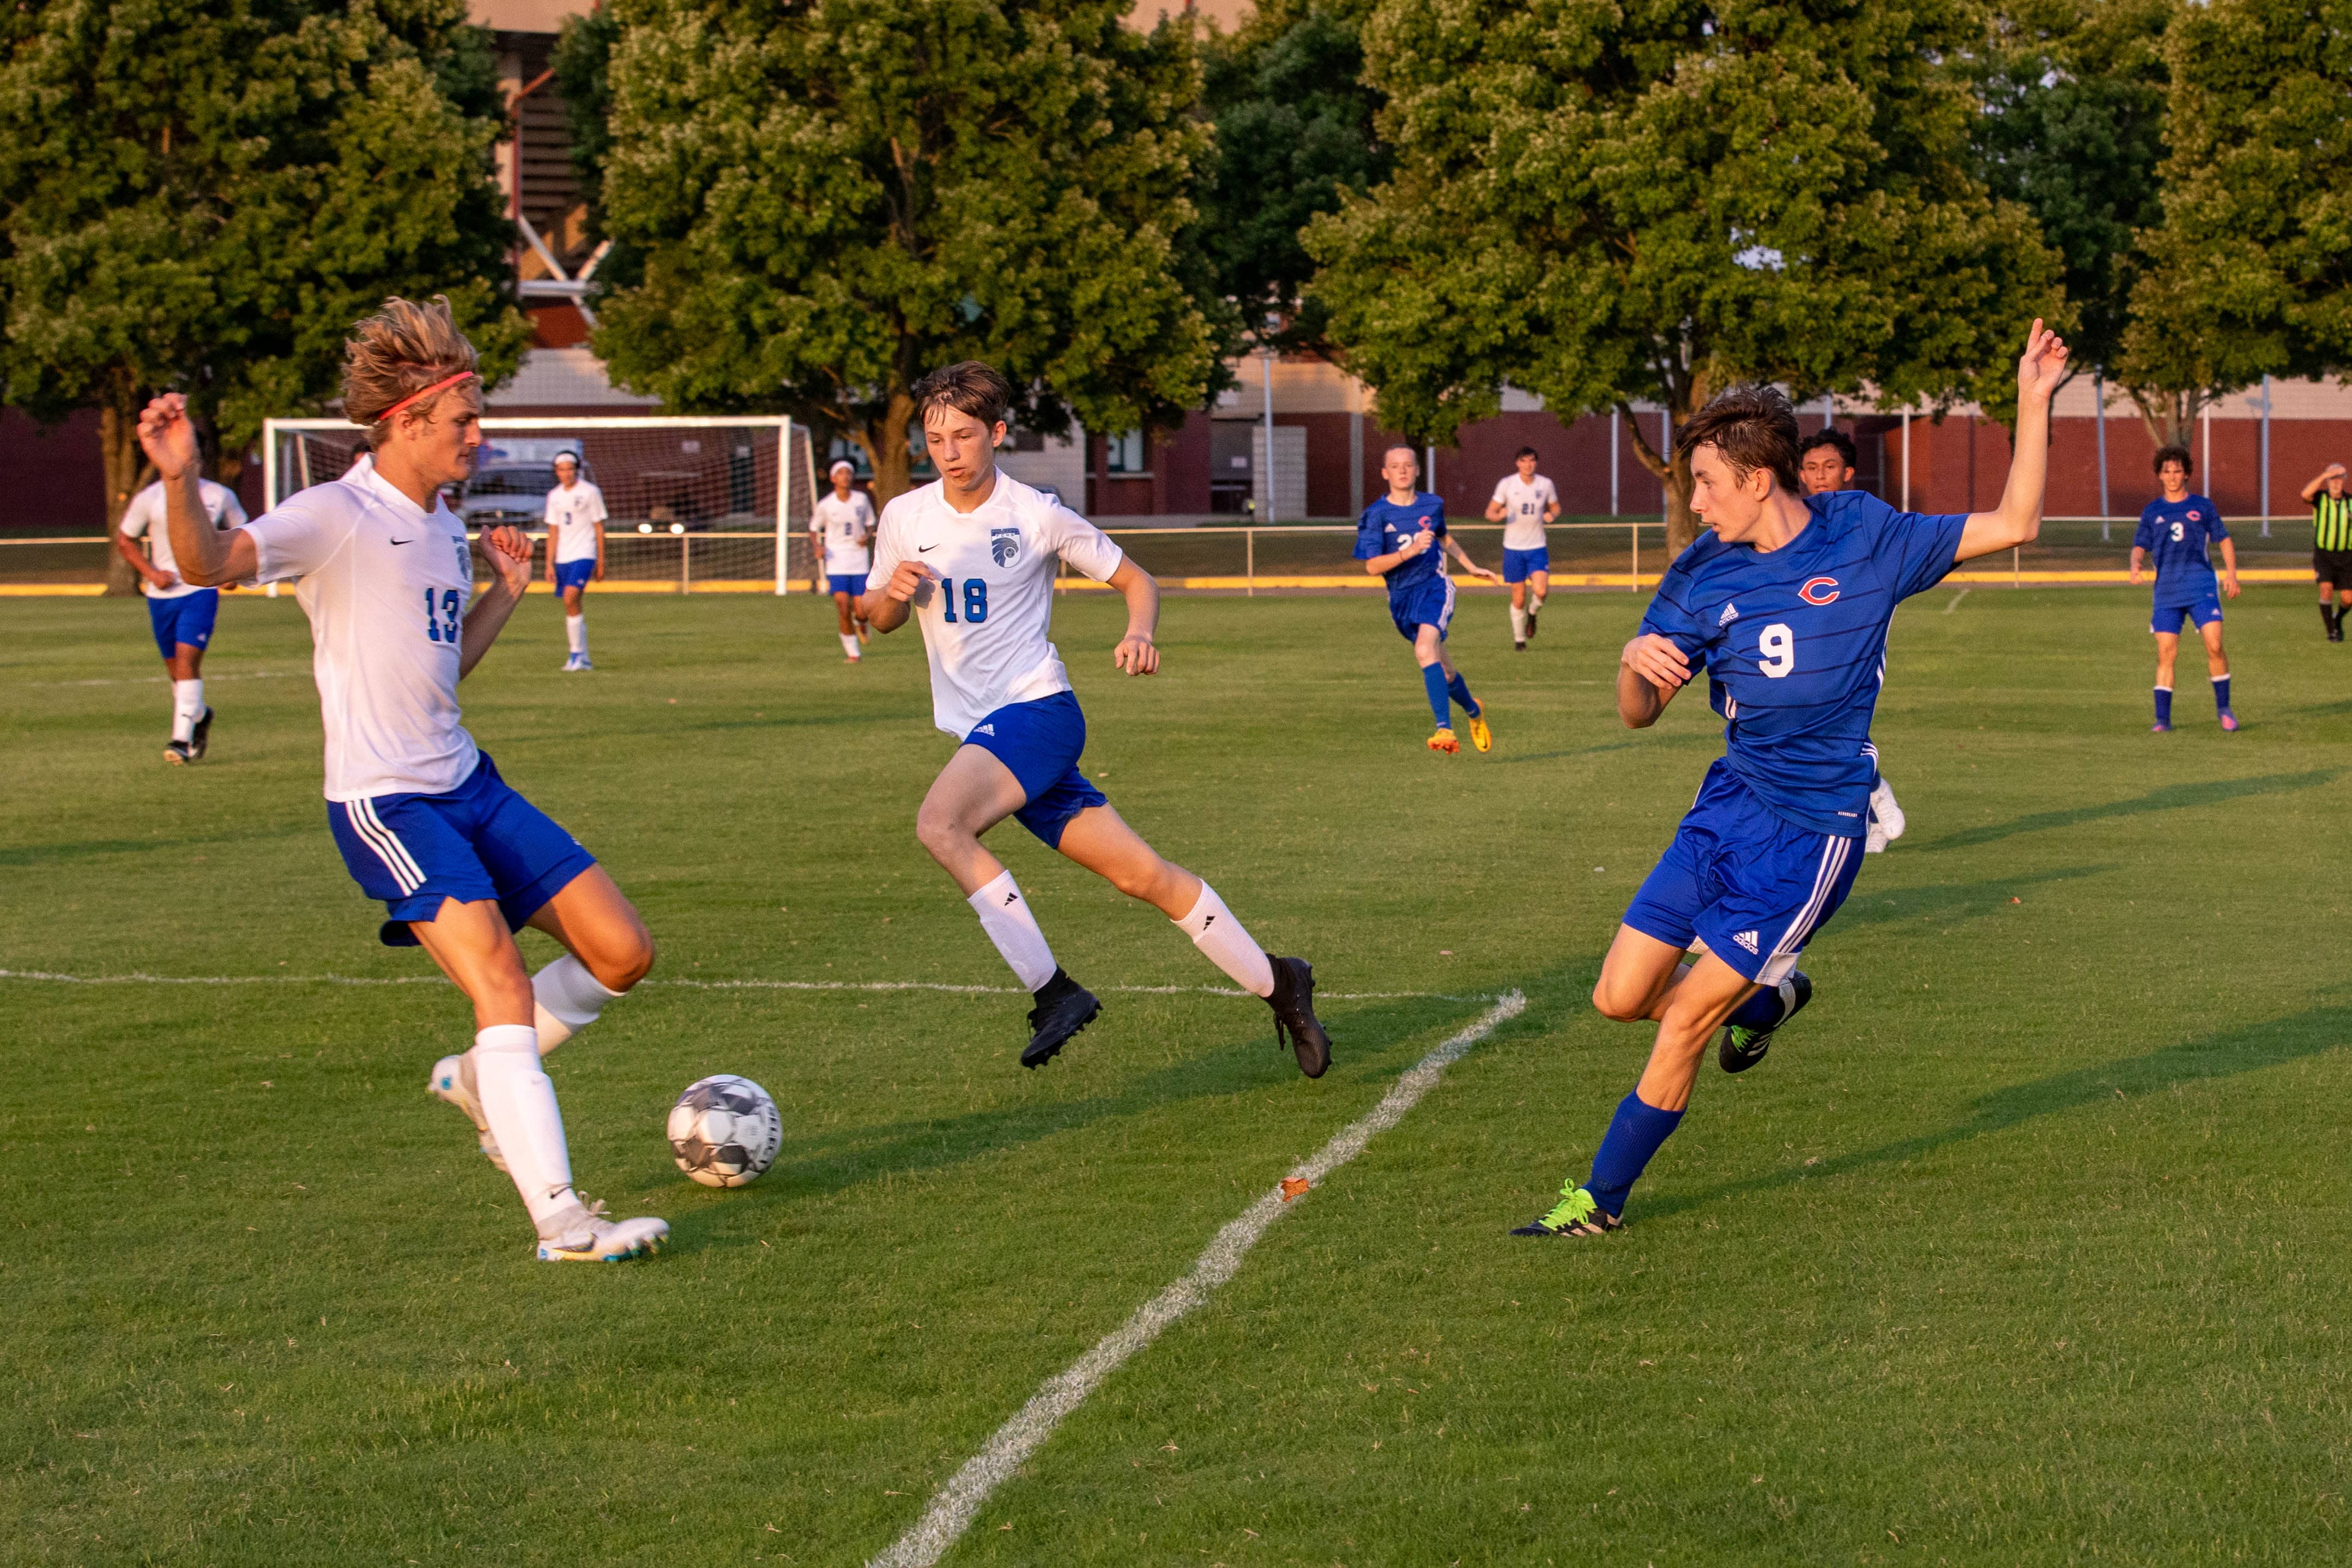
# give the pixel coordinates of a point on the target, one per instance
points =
(1952, 898)
(2170, 797)
(2226, 1055)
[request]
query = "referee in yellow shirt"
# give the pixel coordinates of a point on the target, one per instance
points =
(2331, 546)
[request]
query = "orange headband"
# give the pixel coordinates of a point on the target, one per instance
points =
(428, 391)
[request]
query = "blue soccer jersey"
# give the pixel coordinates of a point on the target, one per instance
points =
(1795, 642)
(2177, 536)
(1386, 527)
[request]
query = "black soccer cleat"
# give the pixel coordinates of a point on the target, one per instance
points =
(177, 753)
(1741, 1049)
(1531, 620)
(1577, 1214)
(202, 737)
(1294, 1015)
(1064, 1007)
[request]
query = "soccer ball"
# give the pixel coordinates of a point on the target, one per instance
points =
(724, 1130)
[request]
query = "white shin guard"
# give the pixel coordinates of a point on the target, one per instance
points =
(1216, 931)
(519, 1101)
(576, 632)
(570, 999)
(187, 707)
(1004, 915)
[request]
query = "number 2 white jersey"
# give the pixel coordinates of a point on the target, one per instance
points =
(848, 527)
(386, 586)
(145, 515)
(1525, 502)
(984, 619)
(571, 518)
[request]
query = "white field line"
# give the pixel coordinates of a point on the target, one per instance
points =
(952, 1510)
(164, 680)
(1963, 593)
(137, 978)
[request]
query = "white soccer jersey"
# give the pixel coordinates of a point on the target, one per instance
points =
(145, 515)
(386, 587)
(1524, 501)
(984, 621)
(571, 518)
(847, 526)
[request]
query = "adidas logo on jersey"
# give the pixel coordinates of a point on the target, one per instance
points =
(1746, 939)
(984, 729)
(1730, 614)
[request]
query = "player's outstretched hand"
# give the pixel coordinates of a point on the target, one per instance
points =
(166, 436)
(2043, 365)
(906, 580)
(508, 553)
(1488, 572)
(1657, 661)
(1136, 655)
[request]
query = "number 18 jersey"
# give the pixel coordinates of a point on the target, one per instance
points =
(1794, 644)
(986, 615)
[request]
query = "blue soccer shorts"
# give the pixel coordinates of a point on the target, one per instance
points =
(480, 840)
(1518, 564)
(2205, 609)
(574, 573)
(186, 619)
(1040, 742)
(853, 583)
(1742, 883)
(1428, 602)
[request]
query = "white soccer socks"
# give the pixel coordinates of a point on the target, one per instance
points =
(575, 634)
(1518, 625)
(1535, 602)
(1216, 931)
(519, 1101)
(849, 645)
(187, 707)
(569, 997)
(1004, 915)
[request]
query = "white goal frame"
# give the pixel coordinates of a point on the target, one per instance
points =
(780, 424)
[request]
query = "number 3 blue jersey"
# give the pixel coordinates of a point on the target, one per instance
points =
(2177, 536)
(1794, 644)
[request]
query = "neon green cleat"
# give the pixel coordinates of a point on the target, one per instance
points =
(1578, 1213)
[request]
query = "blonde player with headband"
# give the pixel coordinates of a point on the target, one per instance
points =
(423, 819)
(841, 536)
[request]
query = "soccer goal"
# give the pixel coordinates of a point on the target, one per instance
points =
(694, 504)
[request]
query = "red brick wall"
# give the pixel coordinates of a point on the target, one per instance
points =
(56, 483)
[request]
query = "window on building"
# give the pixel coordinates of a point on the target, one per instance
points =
(1126, 453)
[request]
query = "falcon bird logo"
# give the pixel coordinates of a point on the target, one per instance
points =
(1004, 544)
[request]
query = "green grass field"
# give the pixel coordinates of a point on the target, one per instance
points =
(2028, 1244)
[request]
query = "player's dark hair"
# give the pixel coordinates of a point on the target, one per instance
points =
(1754, 425)
(970, 388)
(2179, 454)
(1527, 452)
(1830, 438)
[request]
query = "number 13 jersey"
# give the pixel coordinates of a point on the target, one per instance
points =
(385, 585)
(986, 615)
(1794, 644)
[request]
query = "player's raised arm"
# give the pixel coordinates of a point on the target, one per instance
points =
(508, 553)
(1136, 652)
(2019, 519)
(205, 556)
(2333, 471)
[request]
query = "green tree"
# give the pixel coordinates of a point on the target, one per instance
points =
(1295, 129)
(2252, 267)
(1599, 205)
(202, 197)
(827, 202)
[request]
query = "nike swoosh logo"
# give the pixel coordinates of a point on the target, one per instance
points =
(924, 550)
(403, 541)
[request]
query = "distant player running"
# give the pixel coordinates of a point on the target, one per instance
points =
(1825, 466)
(180, 614)
(421, 818)
(575, 551)
(1524, 502)
(2331, 546)
(973, 555)
(841, 530)
(2175, 531)
(1785, 603)
(1402, 536)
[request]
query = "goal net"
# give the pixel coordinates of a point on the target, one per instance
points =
(693, 505)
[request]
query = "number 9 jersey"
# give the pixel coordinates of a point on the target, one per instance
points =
(1794, 644)
(989, 604)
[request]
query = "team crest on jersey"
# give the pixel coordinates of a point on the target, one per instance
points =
(2194, 516)
(1004, 544)
(1819, 590)
(465, 557)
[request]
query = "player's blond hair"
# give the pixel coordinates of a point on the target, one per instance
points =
(397, 353)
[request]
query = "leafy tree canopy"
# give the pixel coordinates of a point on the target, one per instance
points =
(828, 202)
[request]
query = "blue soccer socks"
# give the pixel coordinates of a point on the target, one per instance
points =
(1635, 1135)
(2221, 694)
(1434, 677)
(2164, 707)
(1459, 690)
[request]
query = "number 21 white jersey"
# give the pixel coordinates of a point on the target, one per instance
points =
(1525, 502)
(985, 618)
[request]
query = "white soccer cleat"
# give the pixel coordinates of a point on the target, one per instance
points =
(453, 1079)
(585, 1235)
(1873, 838)
(1887, 816)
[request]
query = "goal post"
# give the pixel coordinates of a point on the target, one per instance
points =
(694, 503)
